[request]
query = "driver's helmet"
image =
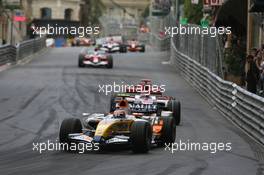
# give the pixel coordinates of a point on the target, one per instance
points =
(124, 106)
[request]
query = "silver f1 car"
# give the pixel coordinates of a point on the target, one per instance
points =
(95, 58)
(112, 46)
(123, 126)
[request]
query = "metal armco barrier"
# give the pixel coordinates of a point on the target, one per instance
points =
(11, 54)
(240, 106)
(7, 54)
(30, 47)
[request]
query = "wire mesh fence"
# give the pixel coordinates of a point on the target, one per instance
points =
(205, 49)
(158, 39)
(128, 29)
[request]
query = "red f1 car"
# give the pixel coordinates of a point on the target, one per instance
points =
(95, 58)
(135, 46)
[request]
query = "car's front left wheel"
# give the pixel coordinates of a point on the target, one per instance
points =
(168, 132)
(141, 135)
(175, 107)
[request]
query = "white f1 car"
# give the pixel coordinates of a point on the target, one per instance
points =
(95, 58)
(112, 44)
(112, 47)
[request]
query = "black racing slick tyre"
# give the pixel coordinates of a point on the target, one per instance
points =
(175, 107)
(141, 135)
(69, 126)
(80, 61)
(168, 132)
(123, 49)
(110, 62)
(142, 49)
(112, 103)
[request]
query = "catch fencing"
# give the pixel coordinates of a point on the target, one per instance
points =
(11, 54)
(205, 49)
(158, 39)
(128, 29)
(243, 108)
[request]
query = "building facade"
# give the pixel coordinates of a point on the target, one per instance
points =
(40, 13)
(11, 31)
(53, 9)
(122, 17)
(125, 9)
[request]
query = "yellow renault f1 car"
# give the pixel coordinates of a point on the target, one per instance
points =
(121, 127)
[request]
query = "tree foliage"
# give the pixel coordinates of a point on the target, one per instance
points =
(194, 12)
(145, 13)
(91, 11)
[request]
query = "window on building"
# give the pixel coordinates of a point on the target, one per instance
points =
(46, 13)
(68, 14)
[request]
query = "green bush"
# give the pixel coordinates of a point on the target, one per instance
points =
(194, 12)
(233, 60)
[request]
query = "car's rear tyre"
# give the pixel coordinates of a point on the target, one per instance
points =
(110, 62)
(69, 126)
(80, 61)
(112, 103)
(175, 107)
(141, 135)
(143, 49)
(123, 49)
(168, 132)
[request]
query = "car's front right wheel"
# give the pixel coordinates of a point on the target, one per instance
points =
(80, 61)
(69, 126)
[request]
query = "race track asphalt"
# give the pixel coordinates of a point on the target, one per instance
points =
(36, 97)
